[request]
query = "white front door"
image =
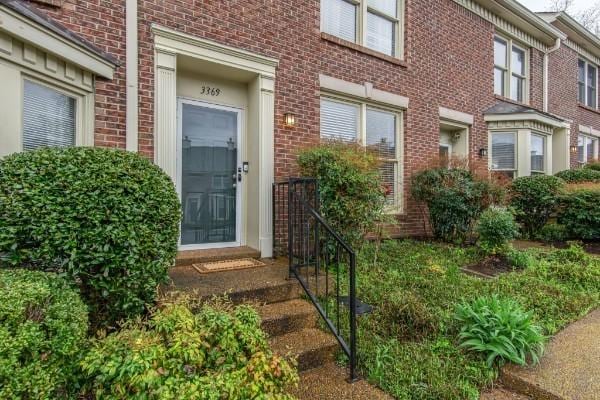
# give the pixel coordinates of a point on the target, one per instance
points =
(209, 174)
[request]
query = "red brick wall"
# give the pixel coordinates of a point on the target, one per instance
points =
(448, 62)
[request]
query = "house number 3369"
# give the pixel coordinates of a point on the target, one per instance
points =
(210, 91)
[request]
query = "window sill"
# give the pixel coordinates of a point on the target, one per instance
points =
(585, 107)
(363, 49)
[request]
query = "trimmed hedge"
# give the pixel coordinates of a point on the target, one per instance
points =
(108, 219)
(217, 353)
(579, 175)
(534, 199)
(580, 214)
(43, 326)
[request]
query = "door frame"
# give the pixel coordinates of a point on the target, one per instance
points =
(239, 184)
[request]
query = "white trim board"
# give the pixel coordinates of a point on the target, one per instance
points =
(366, 91)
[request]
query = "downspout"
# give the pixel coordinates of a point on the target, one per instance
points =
(131, 75)
(546, 78)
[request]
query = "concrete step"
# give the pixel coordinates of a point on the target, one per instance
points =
(261, 285)
(288, 316)
(189, 257)
(311, 347)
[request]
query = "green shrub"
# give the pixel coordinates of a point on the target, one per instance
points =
(108, 219)
(350, 186)
(520, 259)
(580, 175)
(552, 232)
(454, 199)
(214, 354)
(500, 329)
(534, 199)
(595, 165)
(580, 214)
(496, 227)
(43, 326)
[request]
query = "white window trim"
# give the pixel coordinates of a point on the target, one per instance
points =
(596, 148)
(545, 146)
(585, 80)
(514, 170)
(362, 11)
(82, 137)
(398, 205)
(508, 72)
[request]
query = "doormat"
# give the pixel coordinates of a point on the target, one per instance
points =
(227, 265)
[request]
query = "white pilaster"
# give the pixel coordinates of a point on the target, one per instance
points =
(267, 164)
(165, 103)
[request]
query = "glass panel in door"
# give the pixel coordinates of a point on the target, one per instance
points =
(208, 175)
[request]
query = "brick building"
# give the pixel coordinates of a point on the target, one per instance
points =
(484, 80)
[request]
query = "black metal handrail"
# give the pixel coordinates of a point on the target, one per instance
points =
(321, 261)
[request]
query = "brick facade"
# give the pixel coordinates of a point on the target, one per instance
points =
(448, 63)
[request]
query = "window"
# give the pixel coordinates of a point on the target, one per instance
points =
(587, 148)
(344, 120)
(587, 82)
(510, 70)
(504, 152)
(48, 117)
(538, 146)
(371, 23)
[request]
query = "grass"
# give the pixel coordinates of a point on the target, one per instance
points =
(409, 344)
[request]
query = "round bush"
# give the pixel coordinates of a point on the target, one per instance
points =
(496, 227)
(580, 175)
(534, 199)
(213, 354)
(43, 326)
(108, 219)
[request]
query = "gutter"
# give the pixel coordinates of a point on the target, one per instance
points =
(552, 49)
(131, 75)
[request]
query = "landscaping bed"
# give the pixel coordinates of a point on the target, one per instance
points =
(409, 345)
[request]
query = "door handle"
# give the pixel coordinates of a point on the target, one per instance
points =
(239, 174)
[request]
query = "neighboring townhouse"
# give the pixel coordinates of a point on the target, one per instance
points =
(222, 94)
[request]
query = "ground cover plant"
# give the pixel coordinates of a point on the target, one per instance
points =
(409, 345)
(43, 326)
(107, 219)
(217, 352)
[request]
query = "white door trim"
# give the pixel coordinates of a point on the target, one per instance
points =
(239, 185)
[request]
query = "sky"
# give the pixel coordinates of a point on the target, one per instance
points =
(542, 5)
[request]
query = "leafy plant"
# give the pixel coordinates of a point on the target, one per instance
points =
(350, 187)
(43, 325)
(454, 199)
(108, 219)
(580, 214)
(496, 227)
(500, 329)
(552, 232)
(579, 175)
(213, 354)
(594, 165)
(535, 199)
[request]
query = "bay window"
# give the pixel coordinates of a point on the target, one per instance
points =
(376, 24)
(504, 151)
(587, 148)
(538, 150)
(587, 83)
(375, 128)
(510, 70)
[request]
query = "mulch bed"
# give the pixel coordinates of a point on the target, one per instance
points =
(489, 267)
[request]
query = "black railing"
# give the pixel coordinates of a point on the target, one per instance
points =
(319, 258)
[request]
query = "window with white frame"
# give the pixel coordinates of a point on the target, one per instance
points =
(376, 24)
(376, 128)
(510, 70)
(538, 150)
(504, 153)
(49, 117)
(587, 82)
(587, 148)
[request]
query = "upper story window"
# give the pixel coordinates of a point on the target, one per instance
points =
(49, 117)
(587, 82)
(587, 148)
(510, 70)
(375, 24)
(375, 128)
